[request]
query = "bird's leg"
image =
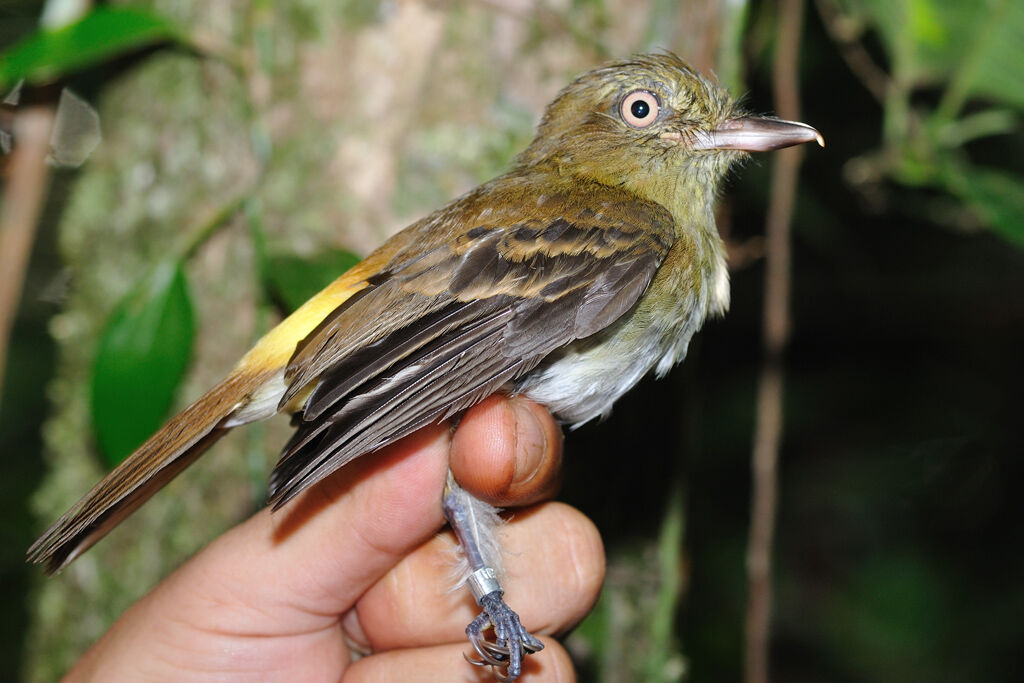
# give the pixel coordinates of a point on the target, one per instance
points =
(473, 522)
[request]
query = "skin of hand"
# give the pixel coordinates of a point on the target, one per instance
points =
(357, 565)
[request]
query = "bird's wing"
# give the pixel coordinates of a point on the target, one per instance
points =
(450, 321)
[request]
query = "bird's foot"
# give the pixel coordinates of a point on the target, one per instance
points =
(511, 641)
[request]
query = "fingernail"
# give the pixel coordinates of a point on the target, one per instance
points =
(353, 633)
(531, 443)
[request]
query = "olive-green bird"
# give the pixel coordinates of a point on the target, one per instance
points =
(590, 263)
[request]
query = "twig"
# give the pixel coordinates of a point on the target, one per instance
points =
(768, 427)
(23, 199)
(873, 77)
(210, 222)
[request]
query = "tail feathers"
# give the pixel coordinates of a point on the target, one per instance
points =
(162, 457)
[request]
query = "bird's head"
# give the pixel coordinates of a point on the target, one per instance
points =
(655, 126)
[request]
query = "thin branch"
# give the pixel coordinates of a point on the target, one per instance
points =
(211, 221)
(769, 420)
(840, 28)
(24, 194)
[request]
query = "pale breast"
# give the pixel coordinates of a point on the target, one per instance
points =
(583, 380)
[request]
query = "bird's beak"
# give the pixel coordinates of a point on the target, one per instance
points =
(757, 134)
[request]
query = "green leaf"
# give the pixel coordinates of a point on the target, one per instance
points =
(142, 358)
(973, 45)
(997, 197)
(996, 70)
(294, 279)
(104, 33)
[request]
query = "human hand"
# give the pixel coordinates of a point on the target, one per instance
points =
(356, 563)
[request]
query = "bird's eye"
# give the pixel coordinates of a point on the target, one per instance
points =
(639, 108)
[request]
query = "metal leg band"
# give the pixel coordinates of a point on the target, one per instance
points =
(483, 581)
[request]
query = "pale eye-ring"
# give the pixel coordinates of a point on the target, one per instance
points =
(639, 108)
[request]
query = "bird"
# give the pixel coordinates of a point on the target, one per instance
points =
(589, 264)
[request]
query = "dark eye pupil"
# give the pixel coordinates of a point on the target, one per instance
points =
(640, 109)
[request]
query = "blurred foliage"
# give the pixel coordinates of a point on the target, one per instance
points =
(303, 132)
(102, 34)
(954, 76)
(294, 279)
(146, 346)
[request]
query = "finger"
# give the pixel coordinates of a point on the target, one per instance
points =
(297, 569)
(508, 471)
(554, 564)
(445, 663)
(310, 561)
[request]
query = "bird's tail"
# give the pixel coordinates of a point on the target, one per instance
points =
(250, 392)
(153, 464)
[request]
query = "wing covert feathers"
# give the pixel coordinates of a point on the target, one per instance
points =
(446, 323)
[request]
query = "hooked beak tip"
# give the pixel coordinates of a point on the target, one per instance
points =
(759, 134)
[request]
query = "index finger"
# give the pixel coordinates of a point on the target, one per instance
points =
(507, 452)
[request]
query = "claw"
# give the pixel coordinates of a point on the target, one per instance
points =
(511, 640)
(490, 654)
